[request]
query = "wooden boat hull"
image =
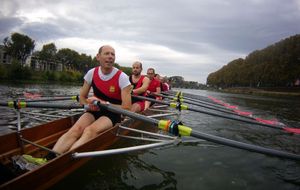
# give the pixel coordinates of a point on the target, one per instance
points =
(54, 170)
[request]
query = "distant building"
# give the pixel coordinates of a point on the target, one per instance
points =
(38, 64)
(297, 82)
(33, 62)
(4, 57)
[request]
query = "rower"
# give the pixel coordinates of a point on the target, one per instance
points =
(165, 85)
(154, 87)
(109, 85)
(140, 85)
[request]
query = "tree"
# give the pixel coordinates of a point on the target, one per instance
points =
(84, 63)
(68, 57)
(48, 52)
(19, 46)
(176, 81)
(277, 65)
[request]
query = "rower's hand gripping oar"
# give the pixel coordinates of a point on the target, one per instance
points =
(178, 129)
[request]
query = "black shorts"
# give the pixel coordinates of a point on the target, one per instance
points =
(114, 117)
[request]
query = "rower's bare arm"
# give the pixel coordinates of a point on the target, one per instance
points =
(126, 97)
(144, 87)
(84, 92)
(158, 90)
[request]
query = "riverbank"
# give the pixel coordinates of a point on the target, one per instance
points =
(37, 82)
(292, 92)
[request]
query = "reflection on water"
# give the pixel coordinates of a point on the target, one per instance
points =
(127, 171)
(196, 164)
(285, 110)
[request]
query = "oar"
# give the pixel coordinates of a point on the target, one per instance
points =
(232, 110)
(207, 101)
(75, 98)
(239, 113)
(180, 94)
(24, 104)
(192, 101)
(176, 129)
(185, 107)
(247, 115)
(29, 95)
(213, 107)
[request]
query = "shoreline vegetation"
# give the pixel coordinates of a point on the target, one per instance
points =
(15, 72)
(275, 92)
(274, 67)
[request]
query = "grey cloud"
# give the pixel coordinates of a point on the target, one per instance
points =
(220, 30)
(7, 26)
(44, 31)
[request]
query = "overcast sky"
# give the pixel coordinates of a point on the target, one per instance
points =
(190, 38)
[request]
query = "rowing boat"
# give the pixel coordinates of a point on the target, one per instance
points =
(46, 135)
(54, 170)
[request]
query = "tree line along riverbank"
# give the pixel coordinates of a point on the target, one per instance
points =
(275, 92)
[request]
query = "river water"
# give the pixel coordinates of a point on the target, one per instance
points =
(194, 164)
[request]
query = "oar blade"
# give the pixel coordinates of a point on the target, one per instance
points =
(292, 130)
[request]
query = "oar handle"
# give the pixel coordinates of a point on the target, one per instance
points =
(150, 100)
(133, 115)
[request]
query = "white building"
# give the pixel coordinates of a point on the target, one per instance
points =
(33, 62)
(4, 58)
